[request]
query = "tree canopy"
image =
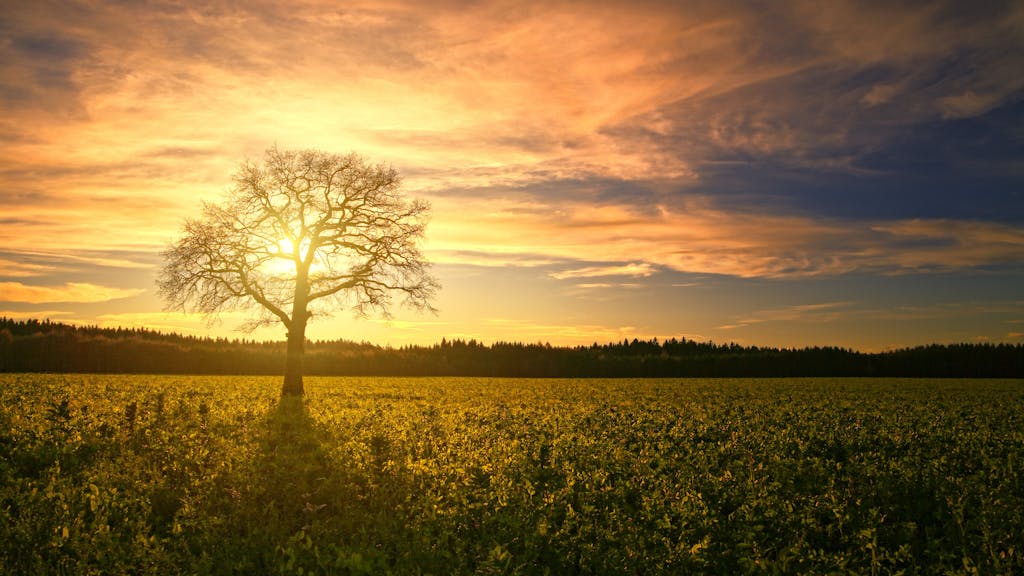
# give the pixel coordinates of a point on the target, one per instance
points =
(300, 235)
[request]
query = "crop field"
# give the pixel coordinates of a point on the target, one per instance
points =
(215, 475)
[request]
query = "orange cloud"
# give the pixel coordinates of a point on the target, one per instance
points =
(13, 268)
(698, 237)
(821, 312)
(70, 292)
(599, 285)
(942, 244)
(38, 314)
(154, 110)
(635, 269)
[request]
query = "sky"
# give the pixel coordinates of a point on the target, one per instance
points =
(787, 173)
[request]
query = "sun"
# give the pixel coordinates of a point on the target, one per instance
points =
(282, 257)
(281, 261)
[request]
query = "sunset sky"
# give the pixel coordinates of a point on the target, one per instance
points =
(773, 173)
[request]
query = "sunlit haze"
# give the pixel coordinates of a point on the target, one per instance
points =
(790, 174)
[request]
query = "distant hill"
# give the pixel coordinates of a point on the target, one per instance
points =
(44, 346)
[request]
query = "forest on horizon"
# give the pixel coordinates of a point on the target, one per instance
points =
(46, 346)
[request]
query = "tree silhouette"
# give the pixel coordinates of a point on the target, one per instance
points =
(302, 234)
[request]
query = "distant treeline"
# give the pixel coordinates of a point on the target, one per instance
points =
(44, 346)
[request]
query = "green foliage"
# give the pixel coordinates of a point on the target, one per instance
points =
(217, 475)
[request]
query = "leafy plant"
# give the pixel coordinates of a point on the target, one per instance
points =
(218, 475)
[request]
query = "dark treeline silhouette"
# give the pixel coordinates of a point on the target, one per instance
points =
(44, 346)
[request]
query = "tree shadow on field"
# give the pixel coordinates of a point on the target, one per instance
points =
(292, 467)
(266, 507)
(299, 508)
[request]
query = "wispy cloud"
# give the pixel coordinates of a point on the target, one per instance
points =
(492, 259)
(16, 269)
(61, 315)
(633, 269)
(700, 237)
(949, 245)
(600, 285)
(70, 292)
(513, 329)
(73, 258)
(818, 312)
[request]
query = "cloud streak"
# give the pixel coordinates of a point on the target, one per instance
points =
(70, 292)
(699, 237)
(819, 312)
(508, 329)
(19, 269)
(633, 269)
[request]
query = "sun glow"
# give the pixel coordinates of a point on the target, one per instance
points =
(282, 259)
(282, 264)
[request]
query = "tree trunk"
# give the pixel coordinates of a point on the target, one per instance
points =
(296, 340)
(293, 361)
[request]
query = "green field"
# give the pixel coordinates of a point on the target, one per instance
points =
(166, 475)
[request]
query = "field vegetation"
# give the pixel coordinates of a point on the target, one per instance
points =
(219, 475)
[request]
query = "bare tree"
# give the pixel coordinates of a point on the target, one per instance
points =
(298, 236)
